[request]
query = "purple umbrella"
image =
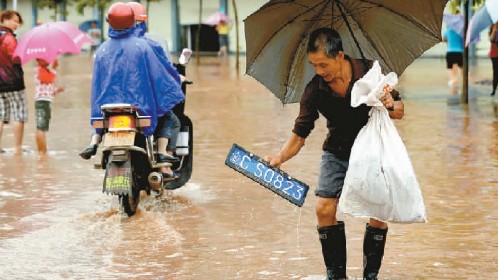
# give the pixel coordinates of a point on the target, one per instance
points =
(454, 22)
(483, 19)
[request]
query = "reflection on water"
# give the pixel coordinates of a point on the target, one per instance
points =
(54, 217)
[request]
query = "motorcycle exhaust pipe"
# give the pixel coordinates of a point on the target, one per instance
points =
(155, 180)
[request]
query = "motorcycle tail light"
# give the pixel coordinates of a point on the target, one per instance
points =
(121, 122)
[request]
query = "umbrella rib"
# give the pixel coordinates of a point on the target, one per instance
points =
(422, 27)
(303, 35)
(354, 37)
(288, 22)
(308, 8)
(349, 28)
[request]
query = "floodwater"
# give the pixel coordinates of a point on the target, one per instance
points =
(55, 223)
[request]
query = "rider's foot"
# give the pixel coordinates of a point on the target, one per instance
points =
(161, 158)
(168, 173)
(88, 152)
(170, 176)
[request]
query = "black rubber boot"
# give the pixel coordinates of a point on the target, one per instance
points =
(333, 240)
(373, 251)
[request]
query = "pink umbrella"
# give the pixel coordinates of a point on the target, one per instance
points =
(48, 40)
(215, 18)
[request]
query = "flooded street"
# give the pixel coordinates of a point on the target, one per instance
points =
(55, 222)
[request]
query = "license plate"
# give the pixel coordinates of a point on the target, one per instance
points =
(119, 138)
(274, 179)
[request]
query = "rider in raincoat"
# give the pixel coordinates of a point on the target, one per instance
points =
(127, 70)
(140, 30)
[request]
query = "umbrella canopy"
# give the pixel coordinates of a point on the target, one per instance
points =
(216, 18)
(486, 16)
(454, 22)
(87, 24)
(48, 40)
(391, 31)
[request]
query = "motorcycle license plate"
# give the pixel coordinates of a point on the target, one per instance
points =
(119, 138)
(272, 178)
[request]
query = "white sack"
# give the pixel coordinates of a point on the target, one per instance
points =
(380, 182)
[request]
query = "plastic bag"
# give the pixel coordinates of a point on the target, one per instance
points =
(380, 181)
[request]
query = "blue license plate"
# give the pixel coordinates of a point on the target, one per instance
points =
(274, 179)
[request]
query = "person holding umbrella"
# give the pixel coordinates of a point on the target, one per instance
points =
(45, 92)
(222, 28)
(12, 89)
(329, 94)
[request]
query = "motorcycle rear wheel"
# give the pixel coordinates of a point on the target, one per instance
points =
(130, 202)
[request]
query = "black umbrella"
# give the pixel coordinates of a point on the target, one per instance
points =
(393, 32)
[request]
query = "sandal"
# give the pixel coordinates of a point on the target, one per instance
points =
(170, 177)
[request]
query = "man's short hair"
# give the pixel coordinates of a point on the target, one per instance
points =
(8, 14)
(326, 39)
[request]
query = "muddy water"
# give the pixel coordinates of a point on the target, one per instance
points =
(56, 224)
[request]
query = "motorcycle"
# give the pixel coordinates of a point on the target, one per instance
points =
(128, 156)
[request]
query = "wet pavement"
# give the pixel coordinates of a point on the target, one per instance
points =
(55, 223)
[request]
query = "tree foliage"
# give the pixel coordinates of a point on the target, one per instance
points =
(59, 6)
(101, 5)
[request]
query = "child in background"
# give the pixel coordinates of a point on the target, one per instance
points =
(222, 28)
(45, 91)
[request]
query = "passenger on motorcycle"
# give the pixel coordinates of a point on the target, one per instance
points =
(139, 30)
(127, 70)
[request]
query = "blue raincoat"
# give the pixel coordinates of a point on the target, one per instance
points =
(139, 31)
(127, 70)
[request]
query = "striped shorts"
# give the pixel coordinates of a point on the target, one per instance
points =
(13, 102)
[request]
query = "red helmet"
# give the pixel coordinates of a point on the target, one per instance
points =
(120, 16)
(138, 10)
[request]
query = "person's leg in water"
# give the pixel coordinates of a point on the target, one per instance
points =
(43, 112)
(494, 61)
(331, 232)
(374, 243)
(4, 116)
(20, 112)
(174, 127)
(164, 133)
(223, 41)
(454, 71)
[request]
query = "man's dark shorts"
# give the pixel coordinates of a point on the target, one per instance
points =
(332, 174)
(43, 114)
